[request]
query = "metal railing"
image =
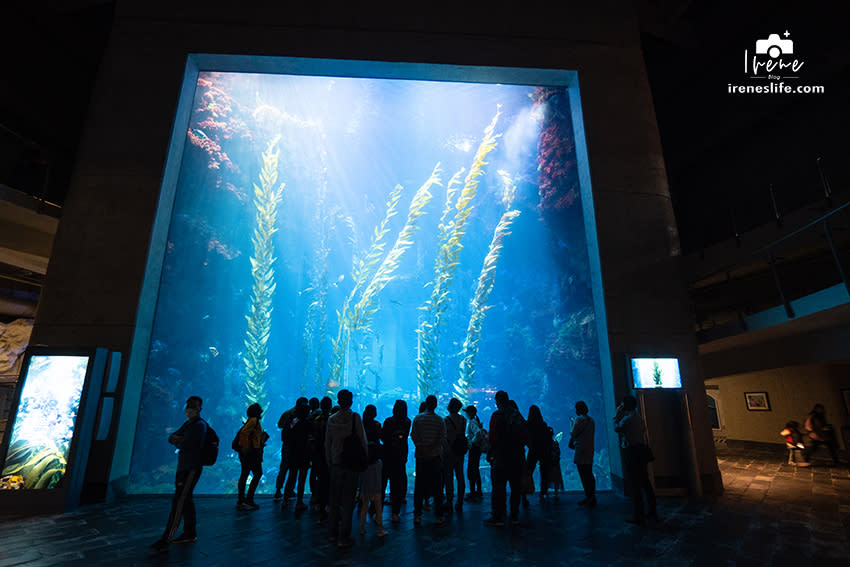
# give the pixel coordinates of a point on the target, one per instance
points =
(768, 251)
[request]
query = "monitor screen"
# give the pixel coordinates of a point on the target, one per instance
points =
(656, 373)
(43, 428)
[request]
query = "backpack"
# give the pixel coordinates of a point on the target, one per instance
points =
(460, 445)
(517, 430)
(396, 434)
(209, 447)
(482, 439)
(235, 443)
(354, 458)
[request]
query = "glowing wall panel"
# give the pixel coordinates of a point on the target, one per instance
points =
(41, 436)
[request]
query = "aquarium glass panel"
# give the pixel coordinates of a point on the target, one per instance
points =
(44, 424)
(656, 373)
(395, 237)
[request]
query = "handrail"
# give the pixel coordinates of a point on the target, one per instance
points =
(768, 250)
(767, 247)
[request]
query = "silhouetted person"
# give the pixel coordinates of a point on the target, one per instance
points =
(540, 447)
(283, 424)
(313, 448)
(478, 443)
(320, 472)
(429, 436)
(396, 431)
(629, 425)
(298, 444)
(342, 424)
(370, 479)
(251, 440)
(820, 433)
(453, 454)
(581, 439)
(188, 439)
(508, 438)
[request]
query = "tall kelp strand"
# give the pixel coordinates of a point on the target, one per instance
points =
(428, 356)
(266, 199)
(451, 236)
(361, 274)
(365, 309)
(361, 315)
(486, 280)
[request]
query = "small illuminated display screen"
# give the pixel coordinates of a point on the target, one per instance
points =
(41, 435)
(656, 373)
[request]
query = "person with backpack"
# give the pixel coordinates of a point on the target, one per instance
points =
(346, 451)
(453, 454)
(189, 440)
(371, 497)
(396, 431)
(476, 437)
(250, 440)
(508, 438)
(429, 436)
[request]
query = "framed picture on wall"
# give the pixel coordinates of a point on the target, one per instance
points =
(757, 401)
(845, 395)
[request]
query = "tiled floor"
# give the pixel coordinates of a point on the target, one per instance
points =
(770, 514)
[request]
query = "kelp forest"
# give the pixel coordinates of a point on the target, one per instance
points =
(398, 238)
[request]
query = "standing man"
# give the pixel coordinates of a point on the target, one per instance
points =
(321, 486)
(478, 443)
(629, 425)
(342, 424)
(188, 439)
(581, 439)
(456, 448)
(396, 431)
(429, 436)
(508, 438)
(284, 424)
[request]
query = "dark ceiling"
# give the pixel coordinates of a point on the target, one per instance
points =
(51, 52)
(723, 151)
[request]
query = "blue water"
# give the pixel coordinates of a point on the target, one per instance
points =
(344, 144)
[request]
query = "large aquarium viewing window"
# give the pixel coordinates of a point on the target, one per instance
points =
(397, 230)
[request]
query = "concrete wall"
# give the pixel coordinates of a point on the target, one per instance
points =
(101, 282)
(792, 392)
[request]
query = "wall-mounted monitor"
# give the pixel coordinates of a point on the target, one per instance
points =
(655, 373)
(50, 425)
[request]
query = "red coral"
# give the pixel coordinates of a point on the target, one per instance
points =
(558, 178)
(215, 121)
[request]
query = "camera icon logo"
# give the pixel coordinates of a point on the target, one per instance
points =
(774, 46)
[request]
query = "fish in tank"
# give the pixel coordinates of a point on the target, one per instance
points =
(43, 429)
(395, 237)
